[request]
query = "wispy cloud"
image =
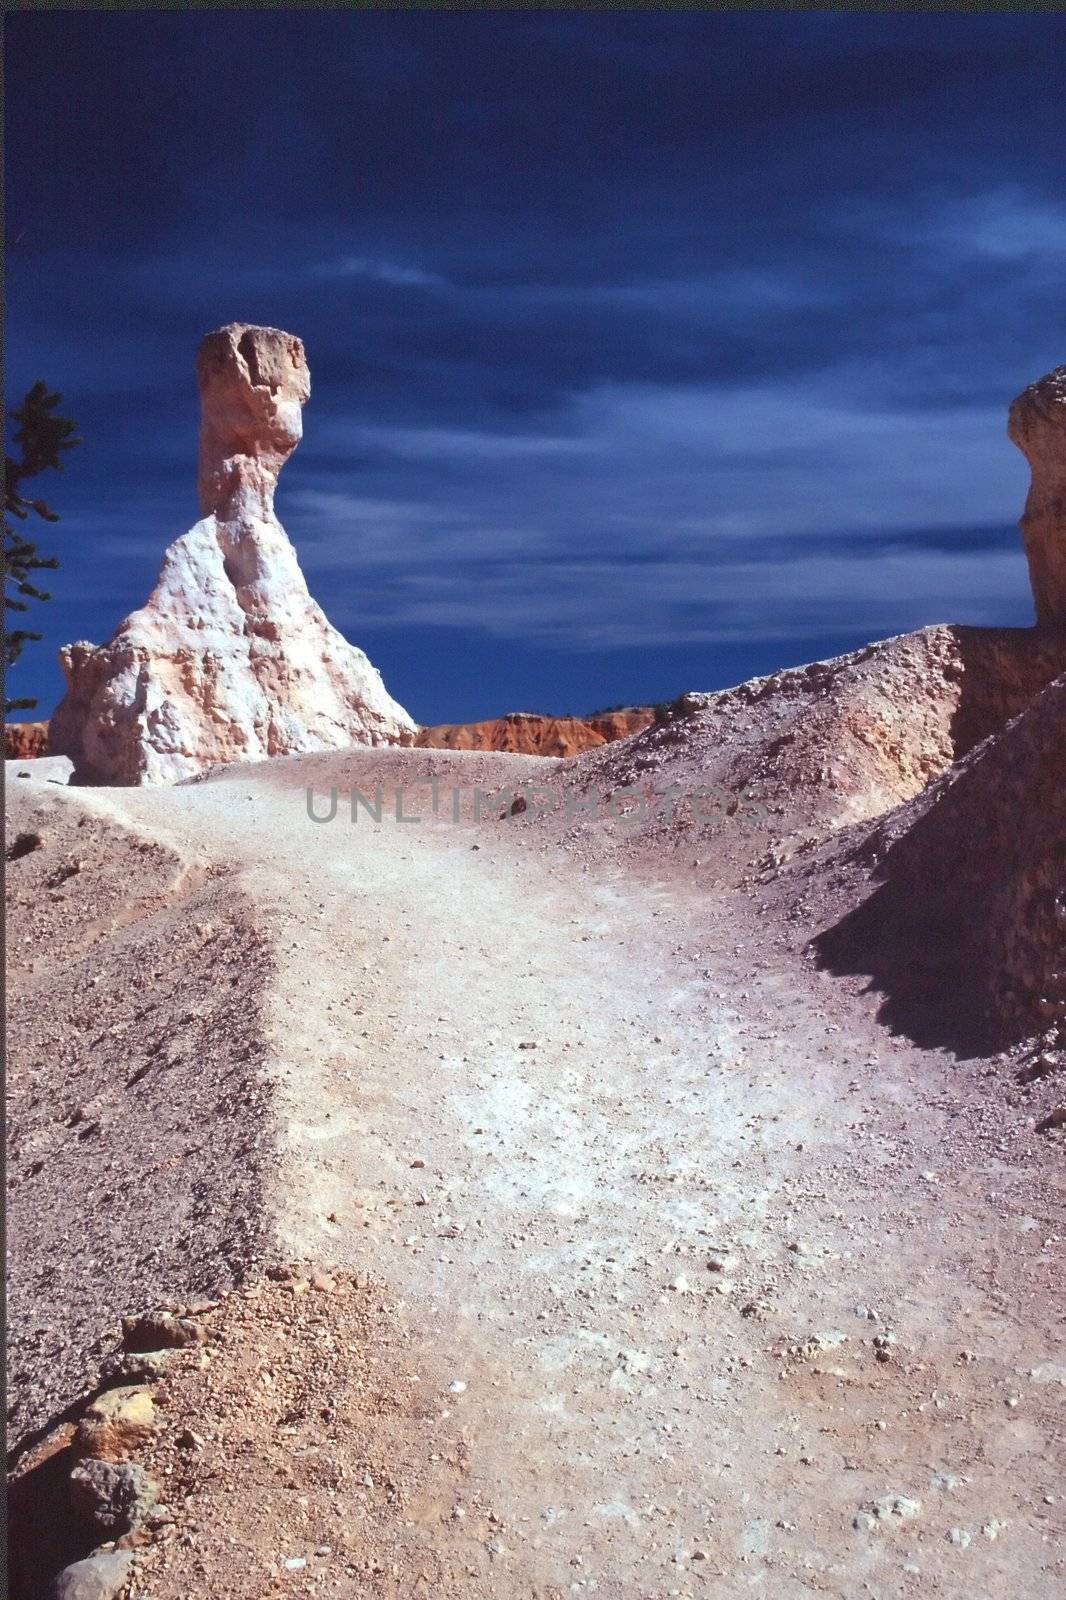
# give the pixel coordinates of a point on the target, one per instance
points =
(467, 445)
(396, 274)
(604, 606)
(702, 515)
(1004, 223)
(706, 297)
(821, 454)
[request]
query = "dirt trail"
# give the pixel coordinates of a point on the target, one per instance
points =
(544, 1105)
(536, 1098)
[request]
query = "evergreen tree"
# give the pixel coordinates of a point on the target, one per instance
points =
(40, 435)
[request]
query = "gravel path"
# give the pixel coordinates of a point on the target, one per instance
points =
(709, 1268)
(725, 1288)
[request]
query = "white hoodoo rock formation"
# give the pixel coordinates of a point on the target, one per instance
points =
(230, 659)
(1037, 425)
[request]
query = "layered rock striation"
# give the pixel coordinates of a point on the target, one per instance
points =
(230, 659)
(525, 733)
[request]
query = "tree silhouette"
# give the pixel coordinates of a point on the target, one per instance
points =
(40, 435)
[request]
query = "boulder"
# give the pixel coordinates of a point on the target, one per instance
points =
(230, 659)
(111, 1497)
(116, 1424)
(161, 1330)
(98, 1577)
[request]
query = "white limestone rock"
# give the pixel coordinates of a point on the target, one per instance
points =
(230, 659)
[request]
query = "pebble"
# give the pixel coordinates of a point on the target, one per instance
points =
(890, 1505)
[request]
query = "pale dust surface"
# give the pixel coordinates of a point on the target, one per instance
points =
(535, 1094)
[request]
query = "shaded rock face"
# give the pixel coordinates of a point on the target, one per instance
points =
(1037, 425)
(230, 659)
(968, 924)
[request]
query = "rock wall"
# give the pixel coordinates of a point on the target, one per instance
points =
(968, 923)
(1037, 425)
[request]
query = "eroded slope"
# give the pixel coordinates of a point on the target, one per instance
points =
(801, 753)
(138, 1122)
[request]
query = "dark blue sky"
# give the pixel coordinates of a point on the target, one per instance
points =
(648, 351)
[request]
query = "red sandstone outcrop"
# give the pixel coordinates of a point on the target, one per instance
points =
(230, 659)
(1037, 425)
(621, 722)
(525, 733)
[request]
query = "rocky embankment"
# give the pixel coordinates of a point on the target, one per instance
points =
(137, 1113)
(168, 1449)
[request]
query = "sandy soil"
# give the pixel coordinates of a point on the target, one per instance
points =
(720, 1286)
